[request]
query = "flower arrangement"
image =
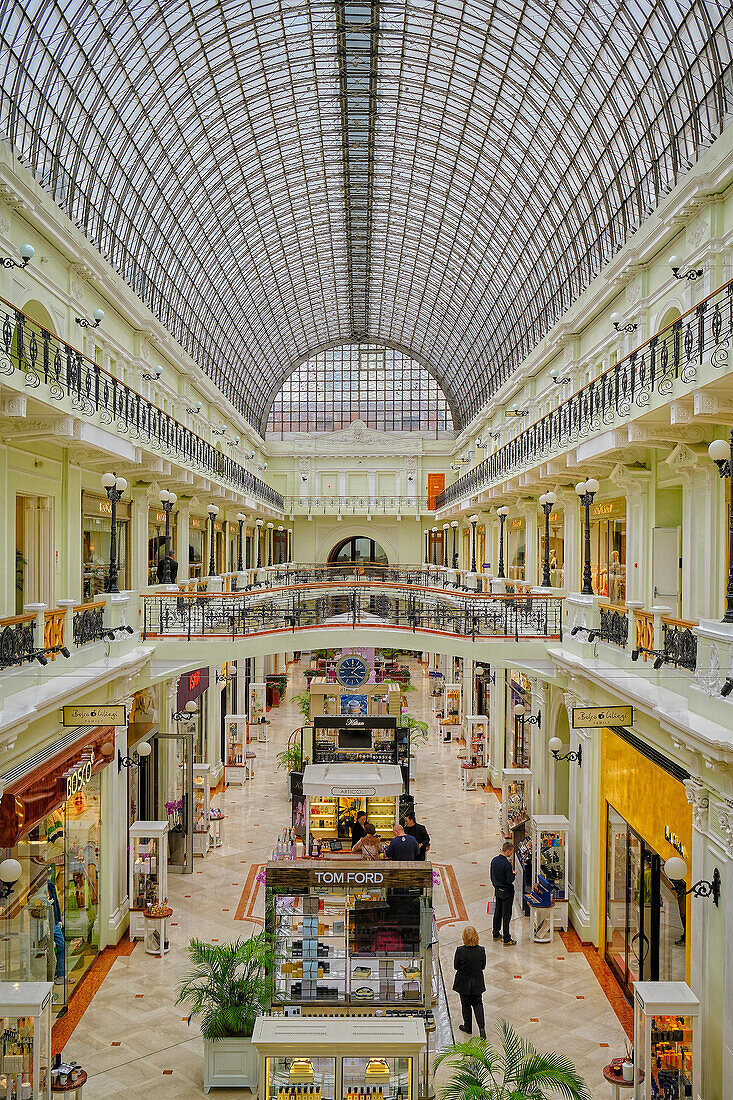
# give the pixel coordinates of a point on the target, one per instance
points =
(174, 810)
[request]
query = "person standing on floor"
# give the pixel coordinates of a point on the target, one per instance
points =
(402, 846)
(469, 964)
(358, 829)
(502, 879)
(419, 832)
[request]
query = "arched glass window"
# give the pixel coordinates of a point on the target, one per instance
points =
(384, 388)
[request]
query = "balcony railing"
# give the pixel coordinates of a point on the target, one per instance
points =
(614, 625)
(64, 373)
(341, 605)
(670, 356)
(355, 505)
(678, 637)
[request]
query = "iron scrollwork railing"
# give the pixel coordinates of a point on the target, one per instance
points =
(614, 627)
(260, 611)
(680, 646)
(17, 642)
(670, 356)
(88, 625)
(66, 373)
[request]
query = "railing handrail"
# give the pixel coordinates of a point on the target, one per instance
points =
(247, 480)
(12, 620)
(584, 400)
(262, 593)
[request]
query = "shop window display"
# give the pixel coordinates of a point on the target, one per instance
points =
(608, 549)
(25, 1042)
(666, 1041)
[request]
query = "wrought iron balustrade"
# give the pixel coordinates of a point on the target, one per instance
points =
(671, 355)
(88, 623)
(47, 361)
(356, 504)
(680, 644)
(339, 605)
(614, 627)
(350, 571)
(17, 640)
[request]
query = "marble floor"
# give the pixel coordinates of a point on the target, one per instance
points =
(134, 1041)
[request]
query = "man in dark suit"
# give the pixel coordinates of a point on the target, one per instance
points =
(502, 879)
(419, 832)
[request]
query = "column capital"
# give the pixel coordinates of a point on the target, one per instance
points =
(697, 795)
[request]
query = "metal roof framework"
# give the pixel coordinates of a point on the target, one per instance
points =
(445, 177)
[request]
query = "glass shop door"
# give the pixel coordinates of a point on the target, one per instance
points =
(169, 795)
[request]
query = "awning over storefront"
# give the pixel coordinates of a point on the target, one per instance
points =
(352, 780)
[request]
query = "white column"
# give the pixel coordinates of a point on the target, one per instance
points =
(213, 727)
(580, 810)
(183, 535)
(468, 678)
(497, 723)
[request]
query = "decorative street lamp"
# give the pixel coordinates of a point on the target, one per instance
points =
(115, 487)
(502, 513)
(26, 251)
(547, 501)
(555, 744)
(279, 543)
(167, 500)
(427, 544)
(454, 524)
(213, 513)
(473, 520)
(270, 528)
(446, 529)
(435, 545)
(586, 490)
(260, 524)
(98, 316)
(722, 455)
(241, 519)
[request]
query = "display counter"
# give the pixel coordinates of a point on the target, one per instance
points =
(351, 933)
(25, 1008)
(338, 1058)
(335, 793)
(516, 803)
(148, 871)
(666, 1041)
(235, 769)
(477, 754)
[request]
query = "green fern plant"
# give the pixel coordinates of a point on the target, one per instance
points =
(290, 758)
(418, 729)
(510, 1070)
(303, 702)
(229, 985)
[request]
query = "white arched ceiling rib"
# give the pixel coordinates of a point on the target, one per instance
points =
(208, 149)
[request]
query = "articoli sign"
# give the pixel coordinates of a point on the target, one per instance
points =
(79, 775)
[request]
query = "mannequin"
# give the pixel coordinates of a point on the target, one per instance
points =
(615, 575)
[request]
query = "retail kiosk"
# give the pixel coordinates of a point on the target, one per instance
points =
(338, 1058)
(148, 871)
(516, 802)
(336, 793)
(351, 934)
(25, 1008)
(329, 697)
(666, 1040)
(235, 768)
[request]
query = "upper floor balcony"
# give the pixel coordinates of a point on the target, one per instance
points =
(357, 505)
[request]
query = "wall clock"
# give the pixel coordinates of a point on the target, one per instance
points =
(352, 671)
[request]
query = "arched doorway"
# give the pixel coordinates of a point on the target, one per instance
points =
(358, 550)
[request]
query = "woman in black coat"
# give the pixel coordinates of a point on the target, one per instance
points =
(469, 964)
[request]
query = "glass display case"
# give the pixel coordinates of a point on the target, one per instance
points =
(256, 708)
(350, 933)
(340, 1058)
(550, 854)
(452, 709)
(148, 871)
(666, 1041)
(235, 769)
(201, 809)
(516, 802)
(477, 726)
(25, 1008)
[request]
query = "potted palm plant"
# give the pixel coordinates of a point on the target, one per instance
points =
(228, 988)
(509, 1070)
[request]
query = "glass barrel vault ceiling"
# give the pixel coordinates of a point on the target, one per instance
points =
(442, 176)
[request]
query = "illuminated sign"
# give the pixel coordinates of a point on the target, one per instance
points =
(354, 792)
(105, 506)
(675, 841)
(100, 715)
(195, 522)
(80, 775)
(345, 878)
(194, 679)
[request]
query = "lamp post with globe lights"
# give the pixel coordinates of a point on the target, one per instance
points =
(271, 530)
(586, 490)
(502, 513)
(259, 523)
(435, 545)
(454, 525)
(167, 500)
(241, 520)
(446, 529)
(721, 453)
(114, 487)
(213, 513)
(547, 500)
(473, 520)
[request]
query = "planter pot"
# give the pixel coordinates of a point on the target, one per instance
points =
(230, 1063)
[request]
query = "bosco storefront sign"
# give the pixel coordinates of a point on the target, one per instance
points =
(192, 685)
(80, 775)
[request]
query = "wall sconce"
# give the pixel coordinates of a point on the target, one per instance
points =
(143, 750)
(520, 711)
(98, 316)
(617, 322)
(555, 376)
(691, 275)
(26, 253)
(154, 376)
(189, 709)
(516, 411)
(219, 431)
(10, 872)
(225, 679)
(233, 442)
(555, 744)
(196, 409)
(675, 869)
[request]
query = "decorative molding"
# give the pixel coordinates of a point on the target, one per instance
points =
(725, 825)
(682, 459)
(14, 407)
(697, 795)
(709, 680)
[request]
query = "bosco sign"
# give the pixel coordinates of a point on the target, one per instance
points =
(79, 776)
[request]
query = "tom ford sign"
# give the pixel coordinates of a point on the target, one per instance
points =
(349, 878)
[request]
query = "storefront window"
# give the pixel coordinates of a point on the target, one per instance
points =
(516, 547)
(608, 549)
(556, 548)
(156, 545)
(96, 537)
(280, 547)
(520, 694)
(645, 915)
